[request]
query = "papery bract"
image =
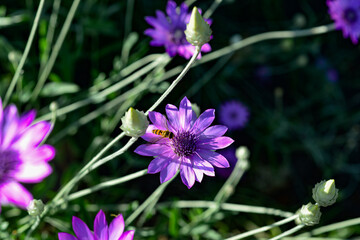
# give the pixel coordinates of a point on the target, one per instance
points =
(192, 148)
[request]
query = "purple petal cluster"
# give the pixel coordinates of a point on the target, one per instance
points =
(168, 31)
(21, 157)
(234, 114)
(102, 231)
(192, 147)
(346, 14)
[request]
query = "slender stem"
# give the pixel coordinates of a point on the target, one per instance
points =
(127, 26)
(176, 81)
(332, 227)
(263, 229)
(33, 227)
(80, 174)
(148, 201)
(212, 8)
(226, 206)
(116, 87)
(48, 67)
(252, 40)
(25, 54)
(288, 232)
(103, 185)
(50, 33)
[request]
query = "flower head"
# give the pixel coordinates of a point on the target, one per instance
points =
(190, 146)
(234, 115)
(346, 14)
(309, 214)
(134, 123)
(35, 207)
(325, 193)
(197, 31)
(169, 30)
(21, 157)
(115, 231)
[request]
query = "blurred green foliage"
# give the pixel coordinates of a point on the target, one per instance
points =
(304, 126)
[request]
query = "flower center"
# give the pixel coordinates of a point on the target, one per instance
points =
(178, 36)
(350, 15)
(9, 161)
(184, 144)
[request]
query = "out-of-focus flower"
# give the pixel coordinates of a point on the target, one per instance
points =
(21, 157)
(102, 231)
(332, 75)
(309, 214)
(169, 30)
(134, 123)
(346, 14)
(189, 144)
(197, 31)
(325, 193)
(35, 207)
(234, 115)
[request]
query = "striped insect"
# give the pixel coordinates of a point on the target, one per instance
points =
(163, 133)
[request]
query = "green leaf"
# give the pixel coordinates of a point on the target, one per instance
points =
(58, 88)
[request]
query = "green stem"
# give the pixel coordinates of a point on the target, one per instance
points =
(103, 185)
(227, 207)
(155, 195)
(33, 227)
(263, 229)
(176, 81)
(212, 8)
(25, 54)
(48, 67)
(288, 232)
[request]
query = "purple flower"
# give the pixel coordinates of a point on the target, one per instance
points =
(234, 115)
(190, 149)
(101, 229)
(332, 75)
(169, 30)
(346, 14)
(21, 157)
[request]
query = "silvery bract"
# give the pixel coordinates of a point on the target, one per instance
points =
(309, 214)
(134, 123)
(197, 31)
(35, 207)
(325, 193)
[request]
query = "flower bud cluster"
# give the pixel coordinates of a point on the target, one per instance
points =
(324, 194)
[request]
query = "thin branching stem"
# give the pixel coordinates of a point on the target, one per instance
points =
(25, 54)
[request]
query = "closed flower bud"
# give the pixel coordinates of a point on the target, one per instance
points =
(134, 123)
(197, 31)
(242, 154)
(309, 214)
(325, 193)
(35, 207)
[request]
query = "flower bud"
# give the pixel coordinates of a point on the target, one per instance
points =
(309, 214)
(325, 193)
(35, 207)
(197, 31)
(134, 123)
(242, 154)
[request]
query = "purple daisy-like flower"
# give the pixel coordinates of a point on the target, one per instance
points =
(101, 229)
(192, 147)
(169, 30)
(234, 115)
(346, 14)
(21, 157)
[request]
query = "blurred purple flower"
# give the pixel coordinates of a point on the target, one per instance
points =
(101, 229)
(191, 149)
(234, 115)
(346, 14)
(229, 154)
(21, 157)
(332, 75)
(169, 30)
